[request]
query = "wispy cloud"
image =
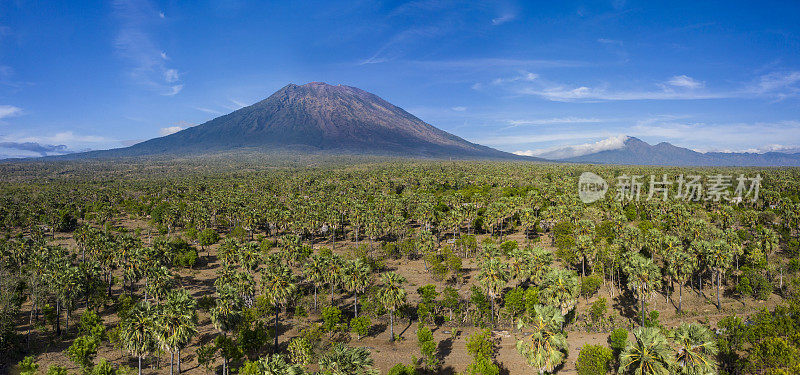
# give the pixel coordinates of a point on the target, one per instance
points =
(208, 110)
(555, 120)
(40, 149)
(459, 108)
(682, 87)
(563, 152)
(169, 130)
(134, 43)
(503, 19)
(685, 81)
(9, 111)
(524, 76)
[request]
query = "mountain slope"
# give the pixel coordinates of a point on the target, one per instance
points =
(317, 117)
(638, 152)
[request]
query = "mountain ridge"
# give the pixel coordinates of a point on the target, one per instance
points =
(315, 117)
(634, 151)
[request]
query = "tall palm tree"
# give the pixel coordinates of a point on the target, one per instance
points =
(137, 331)
(392, 295)
(681, 264)
(561, 288)
(344, 360)
(644, 277)
(356, 278)
(695, 351)
(718, 255)
(546, 347)
(278, 285)
(494, 276)
(648, 354)
(314, 273)
(177, 324)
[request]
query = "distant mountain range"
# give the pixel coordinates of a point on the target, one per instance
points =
(315, 117)
(637, 152)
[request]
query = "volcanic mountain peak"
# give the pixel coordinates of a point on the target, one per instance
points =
(317, 116)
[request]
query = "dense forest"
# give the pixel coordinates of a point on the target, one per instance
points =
(393, 267)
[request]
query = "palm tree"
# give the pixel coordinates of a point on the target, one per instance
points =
(177, 322)
(696, 349)
(278, 285)
(546, 347)
(719, 256)
(356, 278)
(314, 272)
(561, 288)
(137, 331)
(644, 277)
(681, 264)
(392, 295)
(494, 276)
(271, 365)
(649, 354)
(344, 360)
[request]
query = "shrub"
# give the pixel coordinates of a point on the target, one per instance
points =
(360, 326)
(331, 315)
(186, 258)
(618, 340)
(508, 246)
(594, 360)
(401, 369)
(514, 301)
(28, 366)
(252, 339)
(590, 285)
(82, 351)
(427, 346)
(598, 310)
(300, 351)
(482, 349)
(56, 370)
(531, 299)
(205, 355)
(104, 368)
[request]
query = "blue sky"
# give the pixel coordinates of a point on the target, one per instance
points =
(521, 76)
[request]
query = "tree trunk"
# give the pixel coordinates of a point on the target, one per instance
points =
(58, 317)
(171, 362)
(179, 361)
(315, 297)
(391, 326)
(642, 310)
(719, 306)
(275, 348)
(355, 305)
(680, 297)
(140, 365)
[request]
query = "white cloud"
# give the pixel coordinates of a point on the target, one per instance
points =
(161, 15)
(555, 120)
(522, 77)
(169, 130)
(563, 152)
(208, 110)
(778, 81)
(134, 43)
(9, 111)
(610, 41)
(459, 108)
(685, 81)
(503, 19)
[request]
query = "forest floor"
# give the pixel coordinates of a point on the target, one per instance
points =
(697, 306)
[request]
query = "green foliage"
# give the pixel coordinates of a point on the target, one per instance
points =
(480, 301)
(206, 354)
(754, 284)
(104, 367)
(253, 339)
(617, 340)
(28, 366)
(331, 315)
(514, 301)
(563, 236)
(482, 348)
(82, 351)
(598, 311)
(401, 369)
(594, 360)
(301, 351)
(360, 326)
(590, 285)
(56, 370)
(427, 346)
(207, 237)
(531, 299)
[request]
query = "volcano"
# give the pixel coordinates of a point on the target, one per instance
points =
(317, 117)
